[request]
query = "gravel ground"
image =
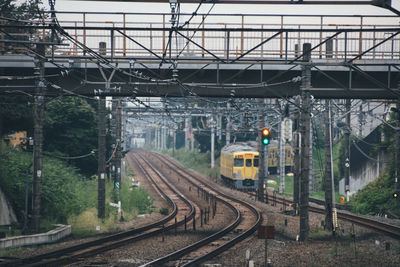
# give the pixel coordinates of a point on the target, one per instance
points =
(146, 250)
(367, 249)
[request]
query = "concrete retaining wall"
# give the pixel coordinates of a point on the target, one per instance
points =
(7, 215)
(368, 172)
(54, 235)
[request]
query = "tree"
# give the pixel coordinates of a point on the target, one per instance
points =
(71, 130)
(15, 112)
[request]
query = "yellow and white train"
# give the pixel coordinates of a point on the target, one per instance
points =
(239, 163)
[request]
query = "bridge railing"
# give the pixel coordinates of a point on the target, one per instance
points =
(136, 34)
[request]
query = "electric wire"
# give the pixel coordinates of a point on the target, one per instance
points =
(366, 155)
(91, 153)
(195, 31)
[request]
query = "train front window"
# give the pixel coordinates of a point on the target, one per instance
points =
(248, 162)
(255, 162)
(238, 163)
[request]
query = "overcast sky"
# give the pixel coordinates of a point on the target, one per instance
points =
(115, 6)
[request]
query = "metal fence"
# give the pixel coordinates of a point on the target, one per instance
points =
(134, 35)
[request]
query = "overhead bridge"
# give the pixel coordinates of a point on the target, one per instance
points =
(141, 54)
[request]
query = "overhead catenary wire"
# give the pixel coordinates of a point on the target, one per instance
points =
(91, 153)
(195, 31)
(366, 155)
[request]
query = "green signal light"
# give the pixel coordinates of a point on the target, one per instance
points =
(265, 141)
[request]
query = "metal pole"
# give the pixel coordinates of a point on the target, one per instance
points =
(191, 133)
(397, 170)
(305, 118)
(360, 120)
(113, 125)
(330, 148)
(118, 142)
(212, 142)
(297, 161)
(38, 117)
(101, 191)
(281, 156)
(186, 134)
(311, 183)
(347, 149)
(228, 124)
(173, 142)
(219, 126)
(328, 175)
(261, 173)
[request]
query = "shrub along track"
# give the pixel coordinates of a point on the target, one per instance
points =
(246, 222)
(181, 207)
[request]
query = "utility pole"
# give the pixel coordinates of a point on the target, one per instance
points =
(347, 149)
(360, 120)
(397, 171)
(118, 143)
(38, 119)
(101, 189)
(328, 168)
(281, 143)
(101, 163)
(186, 133)
(162, 134)
(305, 123)
(311, 182)
(219, 127)
(212, 141)
(228, 124)
(113, 125)
(297, 162)
(173, 141)
(261, 173)
(191, 133)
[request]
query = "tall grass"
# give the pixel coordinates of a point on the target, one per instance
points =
(134, 201)
(200, 162)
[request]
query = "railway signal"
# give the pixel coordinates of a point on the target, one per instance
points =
(265, 136)
(396, 194)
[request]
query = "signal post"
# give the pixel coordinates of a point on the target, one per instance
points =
(264, 141)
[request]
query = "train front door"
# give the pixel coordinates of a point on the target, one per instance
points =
(248, 168)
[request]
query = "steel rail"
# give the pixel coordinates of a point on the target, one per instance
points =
(99, 244)
(230, 243)
(385, 228)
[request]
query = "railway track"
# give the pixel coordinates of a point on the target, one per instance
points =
(180, 206)
(246, 222)
(391, 230)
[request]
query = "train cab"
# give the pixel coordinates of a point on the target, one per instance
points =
(245, 169)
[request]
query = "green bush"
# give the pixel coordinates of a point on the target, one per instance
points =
(61, 185)
(135, 200)
(67, 196)
(376, 197)
(164, 211)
